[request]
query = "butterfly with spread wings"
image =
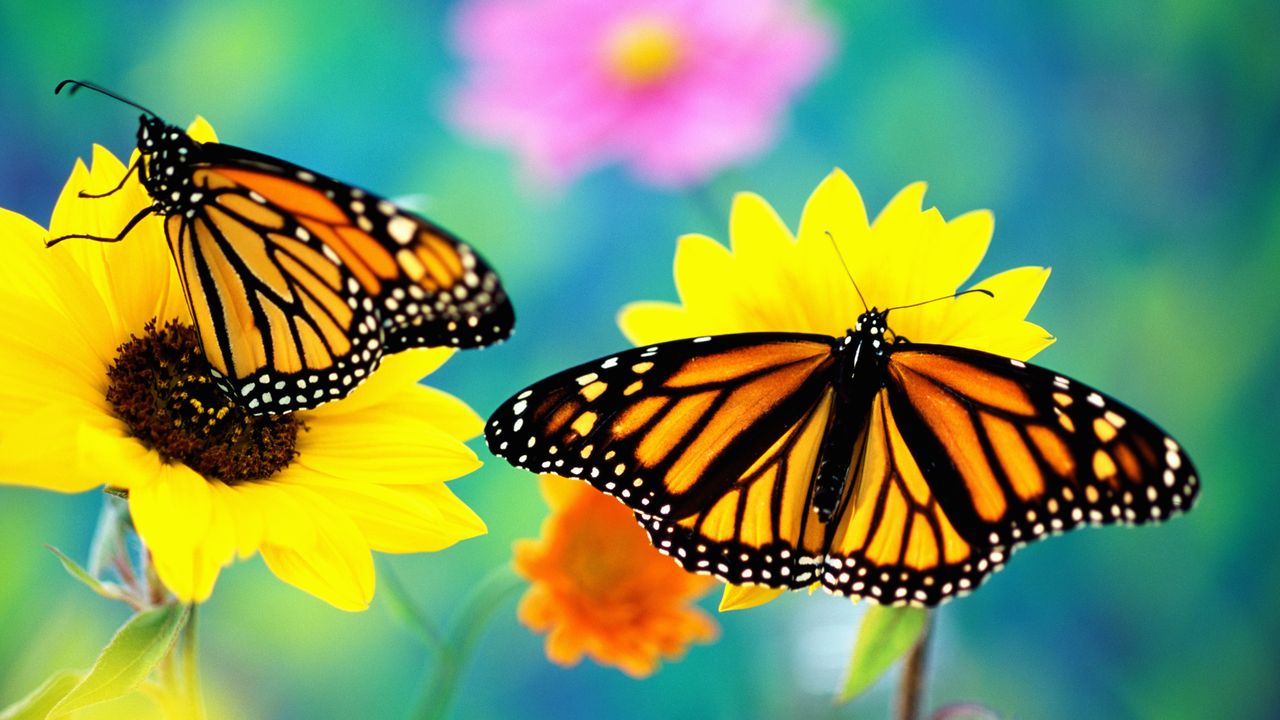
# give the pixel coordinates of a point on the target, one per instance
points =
(901, 472)
(299, 284)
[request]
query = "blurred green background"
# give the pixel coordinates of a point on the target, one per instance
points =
(1134, 147)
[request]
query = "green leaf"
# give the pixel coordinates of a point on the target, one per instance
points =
(886, 635)
(37, 705)
(126, 661)
(106, 590)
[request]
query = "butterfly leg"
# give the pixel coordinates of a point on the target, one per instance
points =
(128, 226)
(132, 168)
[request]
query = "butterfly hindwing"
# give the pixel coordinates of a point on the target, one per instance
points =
(274, 312)
(762, 530)
(892, 540)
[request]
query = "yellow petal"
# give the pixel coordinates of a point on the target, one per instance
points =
(201, 131)
(285, 520)
(1016, 290)
(769, 265)
(699, 259)
(365, 446)
(835, 211)
(396, 374)
(443, 410)
(42, 361)
(401, 518)
(721, 297)
(1022, 342)
(885, 258)
(244, 516)
(105, 449)
(965, 240)
(834, 227)
(756, 234)
(649, 322)
(54, 291)
(26, 265)
(219, 545)
(41, 449)
(743, 597)
(419, 403)
(176, 519)
(834, 234)
(337, 567)
(994, 324)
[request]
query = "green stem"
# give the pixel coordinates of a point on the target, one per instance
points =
(403, 606)
(192, 694)
(465, 630)
(908, 701)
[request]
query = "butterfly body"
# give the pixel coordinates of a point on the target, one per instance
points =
(299, 284)
(906, 473)
(858, 375)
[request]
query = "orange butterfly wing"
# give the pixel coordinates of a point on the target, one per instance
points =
(299, 284)
(713, 441)
(969, 456)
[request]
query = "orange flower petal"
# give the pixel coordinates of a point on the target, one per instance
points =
(599, 590)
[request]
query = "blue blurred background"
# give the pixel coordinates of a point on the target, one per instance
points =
(1134, 147)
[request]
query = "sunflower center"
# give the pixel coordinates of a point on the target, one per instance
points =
(160, 385)
(642, 51)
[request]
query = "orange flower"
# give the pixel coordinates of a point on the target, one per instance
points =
(599, 589)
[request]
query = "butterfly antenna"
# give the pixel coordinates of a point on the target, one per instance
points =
(952, 296)
(77, 84)
(844, 265)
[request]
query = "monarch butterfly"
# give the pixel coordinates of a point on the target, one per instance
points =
(299, 284)
(901, 472)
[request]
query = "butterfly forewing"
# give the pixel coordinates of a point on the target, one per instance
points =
(429, 287)
(1037, 452)
(667, 429)
(299, 284)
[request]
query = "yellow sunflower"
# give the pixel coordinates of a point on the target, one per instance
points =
(599, 589)
(771, 280)
(102, 383)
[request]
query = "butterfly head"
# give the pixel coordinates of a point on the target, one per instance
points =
(872, 326)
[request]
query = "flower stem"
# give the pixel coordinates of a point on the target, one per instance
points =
(908, 701)
(465, 630)
(192, 696)
(403, 605)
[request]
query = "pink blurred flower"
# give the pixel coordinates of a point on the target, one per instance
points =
(675, 89)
